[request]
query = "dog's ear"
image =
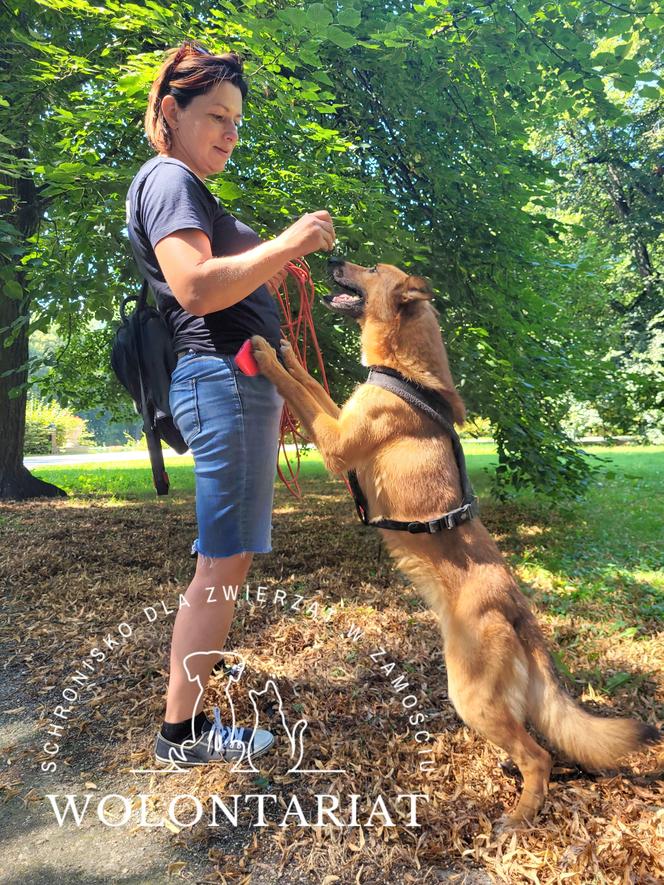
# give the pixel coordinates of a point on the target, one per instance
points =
(415, 289)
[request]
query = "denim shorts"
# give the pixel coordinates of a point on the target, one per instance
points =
(230, 421)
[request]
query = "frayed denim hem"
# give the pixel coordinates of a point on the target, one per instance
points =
(209, 560)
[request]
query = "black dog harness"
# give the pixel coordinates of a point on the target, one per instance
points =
(438, 409)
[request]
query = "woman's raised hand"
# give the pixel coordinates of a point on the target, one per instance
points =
(312, 232)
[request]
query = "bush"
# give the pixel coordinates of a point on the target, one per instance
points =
(139, 444)
(70, 430)
(475, 426)
(583, 419)
(107, 432)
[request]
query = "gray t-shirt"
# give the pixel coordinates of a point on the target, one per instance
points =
(166, 196)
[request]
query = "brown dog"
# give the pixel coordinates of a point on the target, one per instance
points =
(499, 672)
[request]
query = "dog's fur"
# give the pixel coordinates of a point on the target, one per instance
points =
(500, 674)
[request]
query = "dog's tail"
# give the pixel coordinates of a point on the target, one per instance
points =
(594, 742)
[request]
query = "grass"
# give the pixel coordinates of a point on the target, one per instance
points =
(133, 481)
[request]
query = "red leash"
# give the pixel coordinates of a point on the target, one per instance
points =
(297, 328)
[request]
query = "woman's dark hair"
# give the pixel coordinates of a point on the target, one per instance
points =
(188, 71)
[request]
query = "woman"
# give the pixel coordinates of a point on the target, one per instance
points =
(214, 282)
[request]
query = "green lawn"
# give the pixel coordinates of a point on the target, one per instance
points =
(133, 481)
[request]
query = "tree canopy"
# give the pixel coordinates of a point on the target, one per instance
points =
(511, 152)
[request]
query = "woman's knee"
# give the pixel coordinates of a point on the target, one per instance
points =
(224, 569)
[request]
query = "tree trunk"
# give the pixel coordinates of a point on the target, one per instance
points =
(16, 482)
(624, 209)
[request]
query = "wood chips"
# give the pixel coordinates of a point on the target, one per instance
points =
(72, 571)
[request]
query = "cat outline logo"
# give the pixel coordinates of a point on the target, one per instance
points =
(232, 675)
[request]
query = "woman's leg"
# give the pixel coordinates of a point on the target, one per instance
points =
(202, 626)
(231, 423)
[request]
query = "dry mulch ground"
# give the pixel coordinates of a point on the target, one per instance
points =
(74, 571)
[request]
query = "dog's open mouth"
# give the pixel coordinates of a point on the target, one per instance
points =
(350, 301)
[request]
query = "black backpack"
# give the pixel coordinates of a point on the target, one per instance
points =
(143, 359)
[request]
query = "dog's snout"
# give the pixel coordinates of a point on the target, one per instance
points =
(335, 261)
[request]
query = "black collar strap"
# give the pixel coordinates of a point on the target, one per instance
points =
(438, 409)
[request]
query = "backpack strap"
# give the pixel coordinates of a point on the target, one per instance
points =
(143, 297)
(159, 475)
(141, 301)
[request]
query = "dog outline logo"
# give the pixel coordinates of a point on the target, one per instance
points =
(232, 676)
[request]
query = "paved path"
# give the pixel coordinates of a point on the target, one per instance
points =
(98, 457)
(92, 458)
(140, 455)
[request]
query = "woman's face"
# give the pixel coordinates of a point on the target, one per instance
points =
(206, 131)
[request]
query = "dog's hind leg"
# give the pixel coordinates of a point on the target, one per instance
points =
(532, 760)
(489, 694)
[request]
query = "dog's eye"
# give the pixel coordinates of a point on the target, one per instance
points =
(373, 269)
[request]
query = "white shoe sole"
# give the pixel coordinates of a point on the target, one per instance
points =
(190, 764)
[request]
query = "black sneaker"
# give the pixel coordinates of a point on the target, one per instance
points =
(216, 743)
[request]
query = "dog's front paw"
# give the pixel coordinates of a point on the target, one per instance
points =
(265, 355)
(290, 360)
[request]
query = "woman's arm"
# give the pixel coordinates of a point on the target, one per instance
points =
(203, 283)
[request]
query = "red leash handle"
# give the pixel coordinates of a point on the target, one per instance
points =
(246, 361)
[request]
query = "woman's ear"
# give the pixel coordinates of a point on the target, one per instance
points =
(169, 109)
(415, 289)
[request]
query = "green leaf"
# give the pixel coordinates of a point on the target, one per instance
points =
(344, 39)
(229, 191)
(131, 84)
(650, 92)
(616, 680)
(594, 84)
(349, 18)
(620, 25)
(604, 58)
(322, 77)
(309, 55)
(560, 664)
(12, 289)
(318, 15)
(630, 67)
(296, 17)
(626, 84)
